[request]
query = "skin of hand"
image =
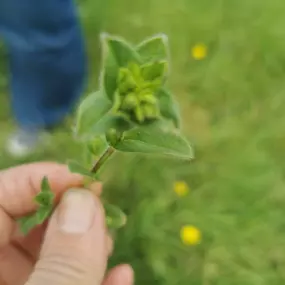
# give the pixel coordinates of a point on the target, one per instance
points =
(72, 248)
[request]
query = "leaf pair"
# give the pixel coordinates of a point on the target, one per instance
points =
(45, 201)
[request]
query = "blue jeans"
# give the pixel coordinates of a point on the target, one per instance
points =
(47, 59)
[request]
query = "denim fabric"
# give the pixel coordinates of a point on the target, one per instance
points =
(47, 59)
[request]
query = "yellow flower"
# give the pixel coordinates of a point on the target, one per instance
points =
(199, 51)
(181, 188)
(190, 235)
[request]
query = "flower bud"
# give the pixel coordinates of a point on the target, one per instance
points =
(96, 146)
(130, 102)
(113, 137)
(148, 98)
(139, 115)
(126, 82)
(150, 111)
(153, 85)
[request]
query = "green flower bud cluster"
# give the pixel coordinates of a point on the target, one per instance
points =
(137, 86)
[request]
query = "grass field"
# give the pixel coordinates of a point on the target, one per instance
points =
(233, 107)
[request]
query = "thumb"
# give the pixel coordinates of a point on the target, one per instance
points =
(75, 246)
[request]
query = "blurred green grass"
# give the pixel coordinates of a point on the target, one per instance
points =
(233, 109)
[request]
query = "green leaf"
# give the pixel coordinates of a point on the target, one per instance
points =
(154, 48)
(44, 199)
(46, 196)
(154, 70)
(76, 167)
(27, 223)
(97, 146)
(116, 54)
(115, 217)
(90, 112)
(92, 150)
(95, 116)
(42, 214)
(155, 140)
(112, 121)
(45, 187)
(169, 107)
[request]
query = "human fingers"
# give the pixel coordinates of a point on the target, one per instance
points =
(75, 246)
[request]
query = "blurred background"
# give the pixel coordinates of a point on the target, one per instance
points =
(220, 219)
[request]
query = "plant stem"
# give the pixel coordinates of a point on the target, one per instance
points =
(98, 164)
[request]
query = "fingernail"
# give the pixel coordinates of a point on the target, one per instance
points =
(76, 211)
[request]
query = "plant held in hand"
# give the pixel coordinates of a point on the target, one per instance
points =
(131, 112)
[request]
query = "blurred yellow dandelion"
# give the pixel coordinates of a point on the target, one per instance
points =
(181, 188)
(190, 235)
(199, 51)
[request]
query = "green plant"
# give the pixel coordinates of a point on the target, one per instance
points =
(131, 112)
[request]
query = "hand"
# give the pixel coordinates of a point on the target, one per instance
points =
(73, 249)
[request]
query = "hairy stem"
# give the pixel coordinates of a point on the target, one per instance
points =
(105, 156)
